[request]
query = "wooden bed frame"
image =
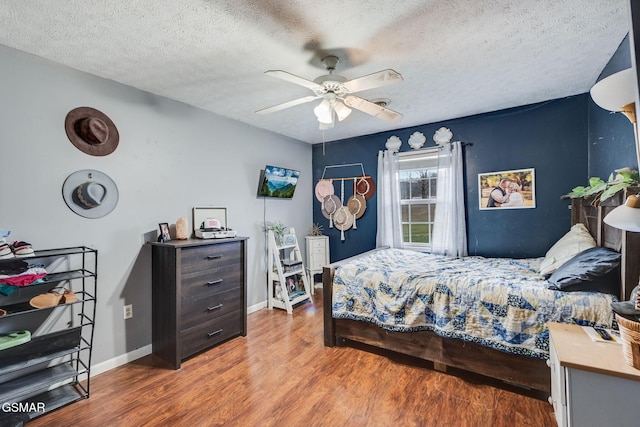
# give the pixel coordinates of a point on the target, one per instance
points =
(523, 371)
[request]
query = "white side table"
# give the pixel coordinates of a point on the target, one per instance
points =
(591, 384)
(317, 255)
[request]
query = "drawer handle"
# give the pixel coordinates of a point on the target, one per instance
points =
(215, 307)
(214, 332)
(214, 256)
(214, 282)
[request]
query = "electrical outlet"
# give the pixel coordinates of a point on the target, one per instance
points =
(128, 311)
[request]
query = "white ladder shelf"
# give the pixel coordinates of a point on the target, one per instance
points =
(288, 283)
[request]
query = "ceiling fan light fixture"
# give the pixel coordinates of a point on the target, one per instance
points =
(322, 109)
(342, 111)
(325, 126)
(326, 119)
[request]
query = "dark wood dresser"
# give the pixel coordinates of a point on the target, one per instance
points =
(199, 295)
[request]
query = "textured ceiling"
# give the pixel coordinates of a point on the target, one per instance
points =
(457, 57)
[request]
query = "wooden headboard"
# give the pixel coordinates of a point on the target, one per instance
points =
(625, 242)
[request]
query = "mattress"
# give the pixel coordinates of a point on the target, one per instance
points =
(501, 303)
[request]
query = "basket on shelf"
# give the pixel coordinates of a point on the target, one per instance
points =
(630, 334)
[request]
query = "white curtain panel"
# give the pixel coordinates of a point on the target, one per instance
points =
(389, 225)
(449, 230)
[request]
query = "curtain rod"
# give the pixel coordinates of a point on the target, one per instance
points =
(461, 143)
(423, 149)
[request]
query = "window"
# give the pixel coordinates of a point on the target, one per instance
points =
(418, 173)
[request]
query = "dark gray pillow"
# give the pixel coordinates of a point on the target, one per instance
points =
(592, 270)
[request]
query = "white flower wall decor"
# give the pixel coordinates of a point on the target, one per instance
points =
(416, 140)
(393, 144)
(442, 136)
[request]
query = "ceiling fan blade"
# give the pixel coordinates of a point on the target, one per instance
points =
(372, 109)
(371, 81)
(292, 78)
(287, 104)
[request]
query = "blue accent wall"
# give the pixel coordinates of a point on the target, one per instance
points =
(549, 137)
(566, 141)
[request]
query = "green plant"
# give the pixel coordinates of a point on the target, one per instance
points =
(277, 227)
(602, 190)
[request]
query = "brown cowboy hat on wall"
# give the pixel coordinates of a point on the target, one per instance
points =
(91, 131)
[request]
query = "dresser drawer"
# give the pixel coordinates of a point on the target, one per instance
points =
(202, 258)
(211, 333)
(317, 246)
(196, 311)
(316, 263)
(205, 283)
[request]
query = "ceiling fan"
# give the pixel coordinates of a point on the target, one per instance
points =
(336, 93)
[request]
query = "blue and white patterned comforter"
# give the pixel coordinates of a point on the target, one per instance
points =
(501, 303)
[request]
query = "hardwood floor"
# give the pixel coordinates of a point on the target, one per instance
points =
(282, 375)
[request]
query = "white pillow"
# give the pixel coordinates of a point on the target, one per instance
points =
(571, 244)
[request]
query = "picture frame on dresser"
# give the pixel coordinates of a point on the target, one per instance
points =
(165, 235)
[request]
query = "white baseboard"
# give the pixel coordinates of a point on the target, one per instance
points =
(256, 307)
(123, 359)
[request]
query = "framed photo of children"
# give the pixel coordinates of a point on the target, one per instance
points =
(165, 235)
(513, 189)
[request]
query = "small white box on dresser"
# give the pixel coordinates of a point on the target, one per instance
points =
(317, 255)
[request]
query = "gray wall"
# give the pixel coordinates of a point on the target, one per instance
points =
(171, 157)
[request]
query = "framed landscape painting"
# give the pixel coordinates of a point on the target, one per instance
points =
(512, 189)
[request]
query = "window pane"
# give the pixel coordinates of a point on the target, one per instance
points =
(420, 233)
(404, 189)
(420, 213)
(405, 233)
(416, 189)
(404, 213)
(418, 182)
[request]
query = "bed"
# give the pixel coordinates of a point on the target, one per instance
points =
(417, 328)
